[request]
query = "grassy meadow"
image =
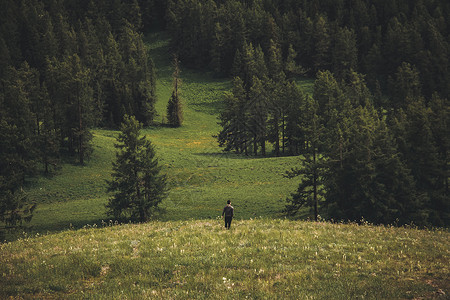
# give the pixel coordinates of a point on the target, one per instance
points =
(202, 178)
(75, 251)
(257, 259)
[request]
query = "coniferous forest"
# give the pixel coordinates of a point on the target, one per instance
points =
(374, 135)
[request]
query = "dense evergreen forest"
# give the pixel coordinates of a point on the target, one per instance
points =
(374, 135)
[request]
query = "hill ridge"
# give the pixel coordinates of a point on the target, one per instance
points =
(257, 258)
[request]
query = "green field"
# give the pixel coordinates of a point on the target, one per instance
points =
(200, 175)
(256, 259)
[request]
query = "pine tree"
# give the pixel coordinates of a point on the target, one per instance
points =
(365, 177)
(372, 64)
(137, 184)
(5, 58)
(48, 141)
(258, 107)
(18, 155)
(216, 49)
(174, 109)
(133, 15)
(345, 53)
(137, 80)
(293, 105)
(395, 198)
(331, 99)
(247, 65)
(355, 89)
(309, 192)
(112, 81)
(234, 120)
(414, 135)
(291, 68)
(440, 127)
(321, 40)
(275, 114)
(79, 93)
(274, 63)
(405, 87)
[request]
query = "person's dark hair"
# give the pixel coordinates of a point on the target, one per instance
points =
(228, 201)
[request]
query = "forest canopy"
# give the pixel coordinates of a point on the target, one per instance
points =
(380, 107)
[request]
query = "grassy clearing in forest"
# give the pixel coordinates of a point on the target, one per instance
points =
(257, 258)
(200, 175)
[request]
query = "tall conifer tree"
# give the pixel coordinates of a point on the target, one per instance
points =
(137, 184)
(174, 108)
(309, 192)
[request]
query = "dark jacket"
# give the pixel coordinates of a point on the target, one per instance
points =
(228, 211)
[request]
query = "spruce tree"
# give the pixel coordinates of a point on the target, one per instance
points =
(137, 184)
(292, 135)
(234, 120)
(174, 108)
(345, 53)
(440, 127)
(413, 129)
(18, 154)
(258, 107)
(291, 68)
(216, 49)
(48, 142)
(405, 87)
(321, 39)
(310, 191)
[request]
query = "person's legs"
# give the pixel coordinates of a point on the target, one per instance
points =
(228, 222)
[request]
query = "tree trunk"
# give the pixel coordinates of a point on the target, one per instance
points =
(316, 212)
(80, 128)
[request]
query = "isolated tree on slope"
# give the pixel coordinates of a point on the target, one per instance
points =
(174, 110)
(137, 183)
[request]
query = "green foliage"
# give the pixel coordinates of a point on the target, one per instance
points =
(361, 157)
(137, 185)
(345, 52)
(406, 87)
(15, 208)
(310, 190)
(263, 107)
(63, 70)
(174, 108)
(18, 156)
(365, 36)
(321, 44)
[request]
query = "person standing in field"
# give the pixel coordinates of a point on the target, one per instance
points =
(228, 212)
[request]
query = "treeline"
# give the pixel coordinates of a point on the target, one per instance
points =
(65, 67)
(386, 164)
(380, 153)
(370, 37)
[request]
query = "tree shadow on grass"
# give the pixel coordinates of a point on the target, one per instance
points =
(231, 155)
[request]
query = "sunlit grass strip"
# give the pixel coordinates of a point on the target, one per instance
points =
(256, 258)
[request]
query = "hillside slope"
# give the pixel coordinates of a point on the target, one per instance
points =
(259, 258)
(202, 178)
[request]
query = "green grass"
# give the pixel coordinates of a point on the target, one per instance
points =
(201, 176)
(256, 259)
